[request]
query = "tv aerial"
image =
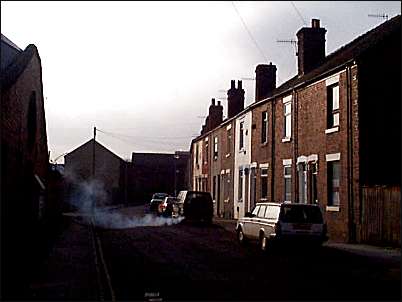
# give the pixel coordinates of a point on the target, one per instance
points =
(289, 41)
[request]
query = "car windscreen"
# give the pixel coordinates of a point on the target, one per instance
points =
(159, 196)
(301, 214)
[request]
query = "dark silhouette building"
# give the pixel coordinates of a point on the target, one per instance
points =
(24, 165)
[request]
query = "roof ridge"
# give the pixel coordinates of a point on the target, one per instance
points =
(10, 43)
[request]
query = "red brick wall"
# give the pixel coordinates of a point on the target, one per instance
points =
(282, 150)
(261, 153)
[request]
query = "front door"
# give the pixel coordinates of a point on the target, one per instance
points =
(302, 171)
(247, 190)
(253, 189)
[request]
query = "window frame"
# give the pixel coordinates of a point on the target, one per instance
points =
(228, 141)
(265, 176)
(240, 184)
(331, 202)
(332, 108)
(215, 147)
(241, 136)
(287, 177)
(287, 117)
(264, 127)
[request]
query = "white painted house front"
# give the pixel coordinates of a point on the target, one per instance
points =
(242, 165)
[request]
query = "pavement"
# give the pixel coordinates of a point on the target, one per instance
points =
(69, 272)
(385, 253)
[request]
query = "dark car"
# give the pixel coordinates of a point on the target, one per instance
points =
(156, 200)
(168, 208)
(195, 205)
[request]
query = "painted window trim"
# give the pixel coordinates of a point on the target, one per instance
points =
(229, 127)
(332, 80)
(227, 155)
(333, 157)
(332, 208)
(332, 130)
(287, 99)
(287, 162)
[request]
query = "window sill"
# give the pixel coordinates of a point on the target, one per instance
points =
(264, 144)
(242, 151)
(215, 157)
(332, 208)
(263, 199)
(286, 139)
(227, 155)
(332, 130)
(226, 201)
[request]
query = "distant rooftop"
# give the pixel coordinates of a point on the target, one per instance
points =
(9, 42)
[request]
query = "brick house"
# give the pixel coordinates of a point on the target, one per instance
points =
(24, 163)
(149, 173)
(107, 169)
(322, 136)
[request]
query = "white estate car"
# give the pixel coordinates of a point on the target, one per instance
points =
(282, 222)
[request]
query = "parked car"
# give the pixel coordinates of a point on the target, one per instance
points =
(156, 200)
(283, 223)
(168, 208)
(195, 205)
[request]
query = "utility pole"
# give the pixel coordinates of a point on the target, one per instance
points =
(175, 158)
(93, 171)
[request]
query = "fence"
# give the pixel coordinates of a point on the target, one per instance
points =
(381, 215)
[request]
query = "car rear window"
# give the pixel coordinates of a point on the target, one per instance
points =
(301, 214)
(195, 195)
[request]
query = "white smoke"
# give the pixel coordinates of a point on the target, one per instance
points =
(114, 220)
(89, 198)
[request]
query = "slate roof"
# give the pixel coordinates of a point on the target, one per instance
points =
(98, 144)
(345, 54)
(9, 42)
(10, 75)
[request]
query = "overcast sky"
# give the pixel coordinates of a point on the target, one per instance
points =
(145, 72)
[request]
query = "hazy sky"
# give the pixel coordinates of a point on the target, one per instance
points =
(146, 71)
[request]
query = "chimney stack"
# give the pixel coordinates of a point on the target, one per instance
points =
(235, 98)
(215, 115)
(311, 47)
(265, 81)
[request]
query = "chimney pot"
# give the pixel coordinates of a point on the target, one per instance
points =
(213, 101)
(315, 23)
(239, 86)
(219, 103)
(232, 84)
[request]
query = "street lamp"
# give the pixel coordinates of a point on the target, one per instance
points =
(176, 157)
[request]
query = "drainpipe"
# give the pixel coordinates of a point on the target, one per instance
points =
(349, 127)
(295, 147)
(273, 150)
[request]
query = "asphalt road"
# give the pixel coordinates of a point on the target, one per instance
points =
(195, 262)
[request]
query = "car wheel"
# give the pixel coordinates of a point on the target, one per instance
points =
(240, 236)
(263, 243)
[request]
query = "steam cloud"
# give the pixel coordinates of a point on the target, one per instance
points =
(89, 197)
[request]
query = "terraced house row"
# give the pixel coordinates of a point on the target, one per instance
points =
(330, 135)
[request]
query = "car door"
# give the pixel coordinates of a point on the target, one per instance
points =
(258, 222)
(248, 222)
(271, 218)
